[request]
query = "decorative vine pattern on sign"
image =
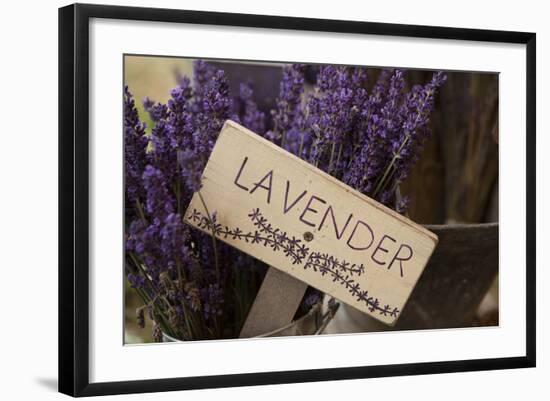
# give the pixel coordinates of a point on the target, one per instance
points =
(267, 235)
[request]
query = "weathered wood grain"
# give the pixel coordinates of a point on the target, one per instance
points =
(289, 214)
(275, 305)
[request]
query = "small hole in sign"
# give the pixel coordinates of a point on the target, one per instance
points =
(308, 236)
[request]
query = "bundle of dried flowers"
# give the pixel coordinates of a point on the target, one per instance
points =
(195, 287)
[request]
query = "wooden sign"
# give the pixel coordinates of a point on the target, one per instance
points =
(289, 214)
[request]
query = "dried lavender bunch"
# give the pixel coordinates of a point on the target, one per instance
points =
(334, 116)
(368, 138)
(176, 270)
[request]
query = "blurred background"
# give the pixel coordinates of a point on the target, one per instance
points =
(454, 182)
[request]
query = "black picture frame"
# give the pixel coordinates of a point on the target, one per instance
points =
(74, 201)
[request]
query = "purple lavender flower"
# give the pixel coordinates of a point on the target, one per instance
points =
(160, 202)
(203, 73)
(416, 116)
(191, 165)
(212, 298)
(288, 114)
(311, 298)
(402, 204)
(251, 117)
(136, 281)
(135, 144)
(147, 103)
(217, 107)
(381, 124)
(405, 148)
(333, 113)
(180, 116)
(157, 111)
(174, 239)
(164, 149)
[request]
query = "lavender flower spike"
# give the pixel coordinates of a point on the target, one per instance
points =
(288, 113)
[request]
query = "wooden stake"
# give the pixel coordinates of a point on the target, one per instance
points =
(275, 305)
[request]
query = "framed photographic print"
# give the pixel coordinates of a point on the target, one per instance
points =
(279, 199)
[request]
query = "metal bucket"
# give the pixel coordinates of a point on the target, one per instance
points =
(312, 323)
